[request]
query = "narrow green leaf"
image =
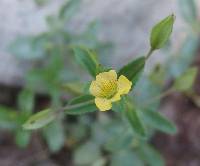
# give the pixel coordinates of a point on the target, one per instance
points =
(125, 158)
(134, 120)
(186, 80)
(133, 69)
(22, 138)
(8, 118)
(161, 32)
(69, 9)
(26, 101)
(54, 135)
(81, 99)
(39, 119)
(156, 120)
(188, 10)
(74, 87)
(150, 155)
(87, 59)
(87, 153)
(80, 105)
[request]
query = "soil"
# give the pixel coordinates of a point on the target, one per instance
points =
(182, 149)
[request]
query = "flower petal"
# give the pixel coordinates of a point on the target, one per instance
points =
(116, 97)
(124, 85)
(95, 90)
(107, 76)
(105, 85)
(103, 104)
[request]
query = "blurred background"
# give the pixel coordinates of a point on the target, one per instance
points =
(35, 40)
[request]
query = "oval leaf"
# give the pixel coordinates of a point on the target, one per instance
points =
(134, 120)
(150, 155)
(188, 10)
(87, 59)
(69, 9)
(161, 32)
(39, 119)
(80, 105)
(156, 120)
(186, 80)
(133, 69)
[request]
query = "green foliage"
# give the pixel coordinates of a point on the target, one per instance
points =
(78, 109)
(69, 9)
(87, 59)
(185, 81)
(132, 116)
(125, 158)
(39, 119)
(150, 155)
(82, 155)
(26, 101)
(188, 10)
(133, 70)
(157, 121)
(22, 138)
(55, 73)
(54, 135)
(161, 32)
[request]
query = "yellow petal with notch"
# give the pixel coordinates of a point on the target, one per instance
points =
(124, 85)
(103, 104)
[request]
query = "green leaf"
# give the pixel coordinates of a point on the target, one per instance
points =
(28, 48)
(80, 105)
(118, 106)
(133, 69)
(8, 118)
(161, 32)
(87, 59)
(22, 138)
(39, 119)
(156, 120)
(151, 156)
(54, 135)
(81, 99)
(134, 120)
(186, 80)
(124, 141)
(26, 101)
(87, 154)
(188, 10)
(74, 87)
(69, 9)
(41, 2)
(125, 158)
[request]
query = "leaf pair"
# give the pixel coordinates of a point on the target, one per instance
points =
(77, 106)
(137, 117)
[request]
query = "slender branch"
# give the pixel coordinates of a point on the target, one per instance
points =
(149, 53)
(160, 96)
(68, 107)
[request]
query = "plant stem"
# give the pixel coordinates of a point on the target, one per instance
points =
(160, 96)
(149, 53)
(68, 107)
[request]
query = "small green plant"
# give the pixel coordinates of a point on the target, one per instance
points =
(110, 92)
(129, 96)
(51, 71)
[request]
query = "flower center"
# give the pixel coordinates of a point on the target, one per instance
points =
(108, 89)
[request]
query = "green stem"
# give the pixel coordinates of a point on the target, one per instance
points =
(160, 96)
(149, 53)
(68, 107)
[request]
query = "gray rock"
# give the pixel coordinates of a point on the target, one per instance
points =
(126, 23)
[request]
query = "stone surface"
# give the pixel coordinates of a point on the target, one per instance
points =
(126, 23)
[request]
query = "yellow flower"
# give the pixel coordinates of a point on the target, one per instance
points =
(107, 89)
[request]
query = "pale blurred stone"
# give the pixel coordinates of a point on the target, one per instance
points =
(126, 23)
